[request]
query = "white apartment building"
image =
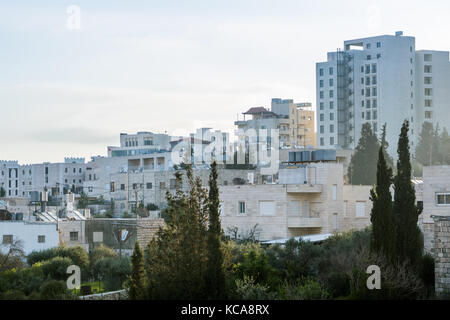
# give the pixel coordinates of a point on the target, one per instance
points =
(379, 80)
(308, 199)
(19, 180)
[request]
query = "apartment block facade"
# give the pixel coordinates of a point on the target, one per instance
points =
(379, 80)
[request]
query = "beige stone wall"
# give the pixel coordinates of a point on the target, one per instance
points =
(442, 255)
(147, 229)
(428, 237)
(66, 227)
(435, 179)
(325, 214)
(353, 194)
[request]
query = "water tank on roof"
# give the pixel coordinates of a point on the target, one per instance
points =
(292, 156)
(306, 155)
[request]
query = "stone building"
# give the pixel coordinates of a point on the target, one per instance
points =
(308, 199)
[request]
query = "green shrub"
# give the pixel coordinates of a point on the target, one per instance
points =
(14, 294)
(53, 290)
(113, 272)
(248, 289)
(56, 268)
(77, 254)
(307, 289)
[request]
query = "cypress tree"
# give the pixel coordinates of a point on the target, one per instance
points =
(363, 164)
(409, 243)
(383, 229)
(215, 277)
(385, 145)
(137, 279)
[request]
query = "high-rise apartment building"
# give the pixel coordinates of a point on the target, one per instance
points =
(379, 80)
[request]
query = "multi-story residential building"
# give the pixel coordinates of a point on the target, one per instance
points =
(19, 180)
(307, 199)
(294, 121)
(301, 121)
(141, 143)
(379, 80)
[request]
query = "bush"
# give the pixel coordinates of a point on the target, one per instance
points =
(14, 294)
(56, 268)
(307, 289)
(101, 252)
(427, 273)
(53, 290)
(248, 289)
(77, 254)
(113, 271)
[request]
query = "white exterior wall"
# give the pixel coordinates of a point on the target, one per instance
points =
(28, 232)
(400, 88)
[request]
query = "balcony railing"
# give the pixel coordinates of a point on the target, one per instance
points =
(304, 188)
(302, 222)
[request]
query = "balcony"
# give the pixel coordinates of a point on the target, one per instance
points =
(304, 188)
(304, 222)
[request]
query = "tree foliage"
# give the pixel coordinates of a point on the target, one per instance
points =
(363, 164)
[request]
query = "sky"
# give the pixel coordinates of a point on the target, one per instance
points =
(73, 78)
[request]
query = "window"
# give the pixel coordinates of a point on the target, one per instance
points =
(331, 82)
(374, 114)
(149, 185)
(374, 68)
(367, 68)
(331, 128)
(41, 239)
(362, 116)
(331, 141)
(321, 129)
(362, 80)
(321, 141)
(112, 186)
(362, 69)
(241, 207)
(374, 103)
(321, 94)
(331, 93)
(369, 57)
(162, 185)
(7, 239)
(368, 46)
(267, 208)
(331, 116)
(427, 80)
(321, 117)
(368, 115)
(428, 91)
(98, 236)
(321, 83)
(428, 114)
(367, 92)
(330, 71)
(134, 186)
(122, 186)
(375, 128)
(321, 106)
(360, 208)
(321, 72)
(74, 236)
(65, 170)
(428, 103)
(331, 104)
(427, 69)
(443, 198)
(367, 81)
(374, 79)
(368, 103)
(378, 55)
(334, 191)
(378, 44)
(427, 57)
(362, 103)
(374, 91)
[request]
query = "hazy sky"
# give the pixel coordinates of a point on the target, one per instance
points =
(171, 65)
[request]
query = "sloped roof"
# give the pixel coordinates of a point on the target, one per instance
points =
(258, 110)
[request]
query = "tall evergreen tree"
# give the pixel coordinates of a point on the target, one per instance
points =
(137, 278)
(427, 150)
(177, 256)
(409, 242)
(444, 147)
(215, 276)
(363, 164)
(383, 228)
(385, 145)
